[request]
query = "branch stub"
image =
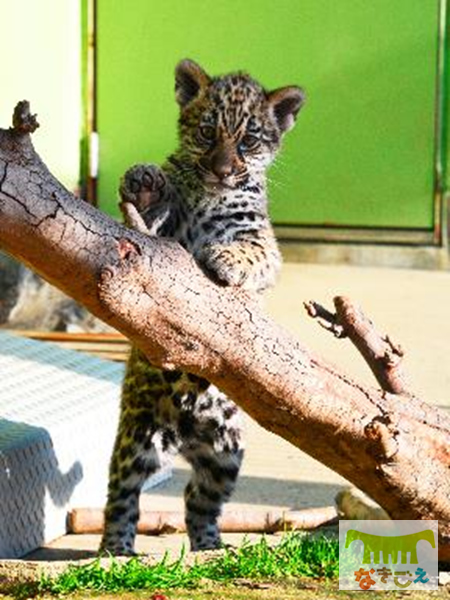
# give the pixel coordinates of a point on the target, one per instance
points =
(23, 121)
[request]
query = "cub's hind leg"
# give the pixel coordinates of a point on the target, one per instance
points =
(212, 442)
(135, 457)
(137, 454)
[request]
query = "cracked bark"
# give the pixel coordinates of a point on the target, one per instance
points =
(391, 445)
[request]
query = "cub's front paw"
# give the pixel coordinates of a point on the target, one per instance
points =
(144, 186)
(225, 265)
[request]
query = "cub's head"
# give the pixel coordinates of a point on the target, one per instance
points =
(230, 126)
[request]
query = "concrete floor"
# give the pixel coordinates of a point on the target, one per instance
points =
(412, 306)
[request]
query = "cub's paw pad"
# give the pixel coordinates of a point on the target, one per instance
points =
(143, 186)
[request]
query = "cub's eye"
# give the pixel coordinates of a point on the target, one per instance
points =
(207, 133)
(248, 142)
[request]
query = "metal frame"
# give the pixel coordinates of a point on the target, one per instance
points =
(90, 148)
(441, 116)
(358, 235)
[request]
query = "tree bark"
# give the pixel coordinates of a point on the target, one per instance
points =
(391, 445)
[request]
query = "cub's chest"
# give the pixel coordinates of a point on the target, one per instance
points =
(203, 226)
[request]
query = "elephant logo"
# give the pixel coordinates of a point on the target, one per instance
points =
(390, 545)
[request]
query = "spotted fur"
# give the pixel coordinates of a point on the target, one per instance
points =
(211, 196)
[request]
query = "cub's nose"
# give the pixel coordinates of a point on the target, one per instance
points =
(222, 164)
(222, 170)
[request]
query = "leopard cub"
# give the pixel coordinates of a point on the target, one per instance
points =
(211, 196)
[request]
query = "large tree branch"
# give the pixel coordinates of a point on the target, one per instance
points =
(394, 447)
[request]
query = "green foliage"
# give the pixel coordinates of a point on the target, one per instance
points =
(294, 556)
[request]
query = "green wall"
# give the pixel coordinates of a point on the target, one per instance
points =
(362, 152)
(40, 49)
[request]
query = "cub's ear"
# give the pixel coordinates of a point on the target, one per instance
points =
(285, 103)
(190, 79)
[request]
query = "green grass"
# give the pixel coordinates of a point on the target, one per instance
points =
(295, 556)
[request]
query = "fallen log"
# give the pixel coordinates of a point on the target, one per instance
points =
(90, 520)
